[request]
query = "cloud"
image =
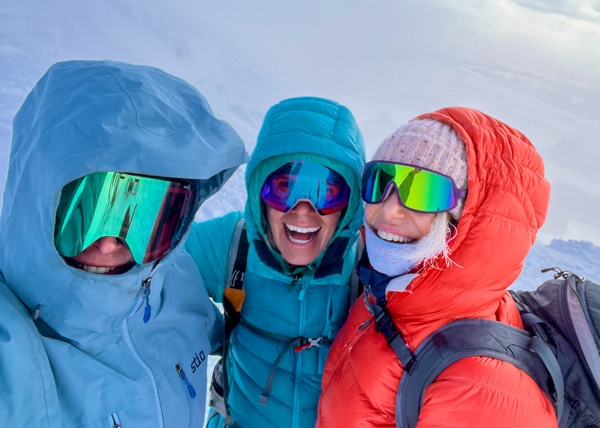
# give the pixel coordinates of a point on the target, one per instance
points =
(588, 10)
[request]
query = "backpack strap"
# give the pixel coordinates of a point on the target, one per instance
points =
(469, 338)
(356, 286)
(457, 340)
(234, 294)
(298, 343)
(233, 299)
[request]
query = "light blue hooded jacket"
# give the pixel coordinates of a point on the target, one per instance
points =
(286, 302)
(88, 359)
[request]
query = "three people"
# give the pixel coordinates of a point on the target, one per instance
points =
(302, 218)
(103, 320)
(453, 203)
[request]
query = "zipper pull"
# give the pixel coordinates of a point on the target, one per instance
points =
(183, 377)
(146, 296)
(365, 324)
(303, 289)
(295, 279)
(115, 421)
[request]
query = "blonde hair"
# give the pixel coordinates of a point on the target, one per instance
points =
(433, 248)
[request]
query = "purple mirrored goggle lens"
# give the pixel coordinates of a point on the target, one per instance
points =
(303, 180)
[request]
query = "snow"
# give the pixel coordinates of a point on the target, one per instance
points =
(534, 69)
(579, 257)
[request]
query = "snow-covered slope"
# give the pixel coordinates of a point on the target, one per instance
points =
(207, 46)
(35, 34)
(579, 257)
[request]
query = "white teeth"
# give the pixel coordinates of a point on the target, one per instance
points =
(393, 238)
(291, 227)
(299, 241)
(302, 229)
(97, 269)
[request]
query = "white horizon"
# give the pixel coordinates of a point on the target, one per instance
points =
(534, 65)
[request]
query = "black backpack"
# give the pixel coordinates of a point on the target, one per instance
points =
(559, 349)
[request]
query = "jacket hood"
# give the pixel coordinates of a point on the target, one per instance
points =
(311, 129)
(506, 204)
(88, 116)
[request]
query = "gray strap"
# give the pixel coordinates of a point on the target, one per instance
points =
(542, 349)
(581, 325)
(264, 397)
(291, 342)
(354, 278)
(235, 241)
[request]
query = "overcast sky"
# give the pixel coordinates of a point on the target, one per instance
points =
(534, 64)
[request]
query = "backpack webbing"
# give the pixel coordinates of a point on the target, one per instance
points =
(235, 278)
(560, 319)
(356, 286)
(236, 272)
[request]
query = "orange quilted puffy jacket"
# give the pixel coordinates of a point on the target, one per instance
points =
(506, 205)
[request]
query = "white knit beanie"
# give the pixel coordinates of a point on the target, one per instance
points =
(429, 144)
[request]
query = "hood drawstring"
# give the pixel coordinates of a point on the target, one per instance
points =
(36, 312)
(146, 294)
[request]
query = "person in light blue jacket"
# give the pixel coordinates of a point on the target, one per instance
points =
(302, 219)
(104, 321)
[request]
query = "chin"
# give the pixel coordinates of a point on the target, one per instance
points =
(299, 260)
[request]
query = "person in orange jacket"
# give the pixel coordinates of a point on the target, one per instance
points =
(454, 200)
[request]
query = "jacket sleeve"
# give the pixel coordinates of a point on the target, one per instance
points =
(473, 392)
(208, 244)
(28, 394)
(482, 391)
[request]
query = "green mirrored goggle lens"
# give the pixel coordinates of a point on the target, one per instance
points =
(418, 189)
(148, 214)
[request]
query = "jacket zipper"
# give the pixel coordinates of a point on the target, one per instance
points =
(184, 378)
(296, 415)
(136, 355)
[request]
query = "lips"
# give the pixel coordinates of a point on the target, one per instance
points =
(301, 235)
(100, 270)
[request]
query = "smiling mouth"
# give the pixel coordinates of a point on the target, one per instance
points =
(97, 269)
(301, 235)
(390, 237)
(101, 270)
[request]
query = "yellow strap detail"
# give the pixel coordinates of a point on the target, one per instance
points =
(235, 297)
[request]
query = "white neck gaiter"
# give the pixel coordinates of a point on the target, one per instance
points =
(386, 257)
(393, 259)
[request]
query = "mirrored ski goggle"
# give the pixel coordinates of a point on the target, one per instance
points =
(147, 214)
(418, 189)
(325, 189)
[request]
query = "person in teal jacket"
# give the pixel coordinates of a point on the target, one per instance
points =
(302, 245)
(103, 319)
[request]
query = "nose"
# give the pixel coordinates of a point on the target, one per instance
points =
(304, 207)
(107, 244)
(392, 207)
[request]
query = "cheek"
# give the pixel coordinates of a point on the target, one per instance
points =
(370, 210)
(273, 218)
(424, 223)
(331, 221)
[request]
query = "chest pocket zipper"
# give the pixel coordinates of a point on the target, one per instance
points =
(184, 378)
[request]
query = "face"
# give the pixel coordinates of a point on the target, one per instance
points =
(302, 233)
(106, 255)
(394, 223)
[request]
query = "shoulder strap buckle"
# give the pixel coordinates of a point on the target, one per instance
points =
(307, 342)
